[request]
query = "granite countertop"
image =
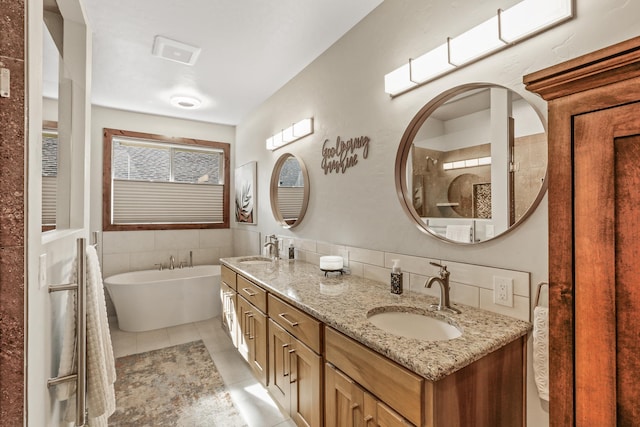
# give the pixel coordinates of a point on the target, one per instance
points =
(342, 302)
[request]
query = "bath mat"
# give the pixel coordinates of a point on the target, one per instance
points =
(174, 386)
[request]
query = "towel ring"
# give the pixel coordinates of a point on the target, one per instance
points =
(540, 285)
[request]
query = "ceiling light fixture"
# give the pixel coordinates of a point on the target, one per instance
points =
(186, 102)
(507, 27)
(293, 133)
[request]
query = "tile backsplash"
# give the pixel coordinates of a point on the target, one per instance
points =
(470, 284)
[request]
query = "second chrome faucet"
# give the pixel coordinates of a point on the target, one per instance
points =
(443, 280)
(273, 246)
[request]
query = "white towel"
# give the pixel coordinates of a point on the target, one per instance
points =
(459, 233)
(101, 372)
(541, 350)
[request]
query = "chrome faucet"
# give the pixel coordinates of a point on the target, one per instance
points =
(172, 262)
(274, 246)
(443, 281)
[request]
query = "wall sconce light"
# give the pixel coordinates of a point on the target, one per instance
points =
(523, 20)
(293, 133)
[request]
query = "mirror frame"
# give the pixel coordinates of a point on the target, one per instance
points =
(273, 191)
(404, 150)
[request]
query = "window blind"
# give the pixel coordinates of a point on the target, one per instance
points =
(49, 190)
(142, 202)
(290, 201)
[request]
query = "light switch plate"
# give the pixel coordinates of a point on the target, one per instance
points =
(503, 291)
(5, 83)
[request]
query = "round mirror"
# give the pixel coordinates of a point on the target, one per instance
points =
(472, 163)
(289, 190)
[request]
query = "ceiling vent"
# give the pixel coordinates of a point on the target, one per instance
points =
(175, 50)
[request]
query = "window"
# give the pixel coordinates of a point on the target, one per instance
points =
(154, 182)
(49, 174)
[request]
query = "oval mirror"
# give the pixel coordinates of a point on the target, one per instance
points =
(472, 163)
(289, 190)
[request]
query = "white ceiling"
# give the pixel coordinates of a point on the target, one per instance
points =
(250, 49)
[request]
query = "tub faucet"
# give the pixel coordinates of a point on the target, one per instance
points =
(273, 245)
(172, 262)
(443, 281)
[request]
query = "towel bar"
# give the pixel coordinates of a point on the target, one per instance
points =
(540, 285)
(81, 334)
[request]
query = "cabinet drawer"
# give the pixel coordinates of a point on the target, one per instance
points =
(395, 385)
(228, 276)
(252, 293)
(297, 323)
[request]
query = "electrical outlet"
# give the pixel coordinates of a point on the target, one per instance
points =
(503, 291)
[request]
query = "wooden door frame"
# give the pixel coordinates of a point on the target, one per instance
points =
(603, 79)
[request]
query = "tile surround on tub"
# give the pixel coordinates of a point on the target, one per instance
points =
(125, 251)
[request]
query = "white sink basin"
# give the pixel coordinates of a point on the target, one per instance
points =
(413, 325)
(255, 260)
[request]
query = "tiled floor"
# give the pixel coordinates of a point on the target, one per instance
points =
(250, 397)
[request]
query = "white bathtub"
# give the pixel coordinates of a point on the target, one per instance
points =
(153, 299)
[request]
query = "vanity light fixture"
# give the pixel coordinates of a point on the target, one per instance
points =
(186, 102)
(293, 133)
(468, 163)
(507, 27)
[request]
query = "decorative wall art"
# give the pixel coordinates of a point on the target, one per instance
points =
(343, 154)
(245, 180)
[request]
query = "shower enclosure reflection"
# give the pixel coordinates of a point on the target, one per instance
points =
(472, 164)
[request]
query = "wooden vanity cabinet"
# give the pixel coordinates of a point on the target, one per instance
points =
(487, 393)
(295, 368)
(349, 405)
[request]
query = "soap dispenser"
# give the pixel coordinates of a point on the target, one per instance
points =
(396, 278)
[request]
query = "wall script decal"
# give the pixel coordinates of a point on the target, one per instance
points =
(341, 156)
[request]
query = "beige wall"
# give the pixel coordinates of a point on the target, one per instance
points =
(344, 91)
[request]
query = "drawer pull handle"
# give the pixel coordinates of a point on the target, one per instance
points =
(283, 316)
(354, 406)
(367, 419)
(249, 292)
(293, 367)
(248, 317)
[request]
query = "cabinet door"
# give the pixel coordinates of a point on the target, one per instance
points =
(258, 345)
(344, 400)
(387, 417)
(252, 338)
(607, 271)
(306, 385)
(279, 364)
(244, 314)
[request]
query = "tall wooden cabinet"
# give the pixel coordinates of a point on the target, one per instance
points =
(594, 235)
